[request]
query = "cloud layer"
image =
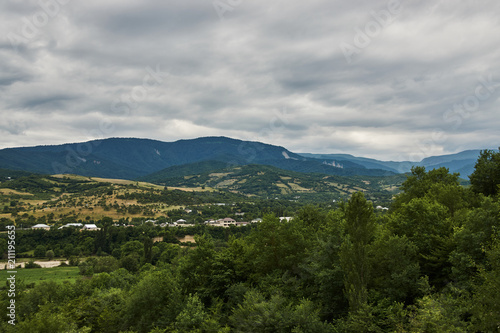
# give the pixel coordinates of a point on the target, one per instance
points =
(391, 79)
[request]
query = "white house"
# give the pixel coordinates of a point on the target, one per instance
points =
(41, 226)
(225, 222)
(90, 227)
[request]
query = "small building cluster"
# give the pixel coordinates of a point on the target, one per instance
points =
(224, 223)
(90, 227)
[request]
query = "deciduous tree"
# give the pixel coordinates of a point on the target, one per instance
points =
(486, 176)
(354, 254)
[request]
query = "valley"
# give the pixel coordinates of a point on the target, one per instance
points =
(237, 237)
(61, 199)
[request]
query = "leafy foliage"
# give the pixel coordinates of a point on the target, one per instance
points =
(486, 176)
(429, 264)
(354, 254)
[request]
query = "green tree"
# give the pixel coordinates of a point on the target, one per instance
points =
(452, 196)
(194, 318)
(69, 251)
(153, 302)
(276, 315)
(87, 246)
(130, 262)
(395, 268)
(312, 217)
(475, 231)
(44, 293)
(87, 267)
(167, 252)
(101, 310)
(148, 249)
(102, 239)
(132, 247)
(382, 317)
(105, 264)
(47, 320)
(486, 176)
(486, 305)
(322, 277)
(276, 245)
(440, 312)
(196, 269)
(426, 224)
(40, 251)
(355, 254)
(49, 254)
(420, 182)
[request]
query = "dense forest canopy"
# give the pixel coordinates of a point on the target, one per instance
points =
(429, 264)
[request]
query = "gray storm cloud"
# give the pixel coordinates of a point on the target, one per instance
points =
(384, 79)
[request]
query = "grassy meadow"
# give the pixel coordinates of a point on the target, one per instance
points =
(37, 275)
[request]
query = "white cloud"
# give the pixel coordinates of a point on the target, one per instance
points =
(234, 77)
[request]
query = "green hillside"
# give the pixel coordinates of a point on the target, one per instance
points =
(267, 181)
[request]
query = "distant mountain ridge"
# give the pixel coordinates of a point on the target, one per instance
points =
(462, 162)
(131, 158)
(368, 163)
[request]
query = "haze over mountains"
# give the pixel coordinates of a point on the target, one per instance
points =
(462, 162)
(131, 158)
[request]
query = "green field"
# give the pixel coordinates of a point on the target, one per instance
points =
(36, 275)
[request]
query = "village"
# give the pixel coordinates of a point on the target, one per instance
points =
(223, 223)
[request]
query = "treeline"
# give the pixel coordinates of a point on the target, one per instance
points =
(37, 184)
(431, 264)
(72, 241)
(179, 197)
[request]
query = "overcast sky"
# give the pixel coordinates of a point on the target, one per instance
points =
(393, 80)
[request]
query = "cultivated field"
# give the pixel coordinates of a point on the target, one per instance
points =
(37, 275)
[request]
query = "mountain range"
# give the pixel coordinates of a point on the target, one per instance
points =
(462, 162)
(132, 158)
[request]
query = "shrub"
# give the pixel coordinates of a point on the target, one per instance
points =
(74, 261)
(32, 264)
(49, 254)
